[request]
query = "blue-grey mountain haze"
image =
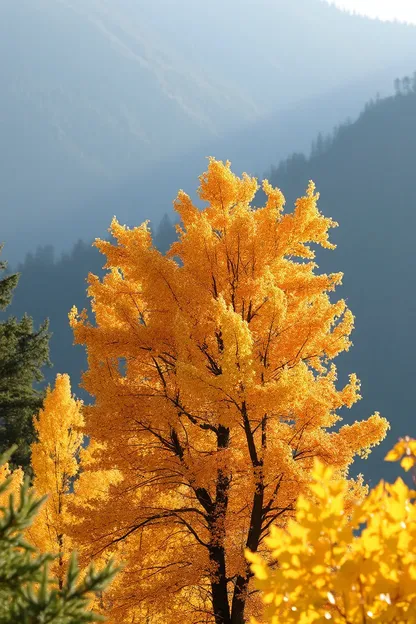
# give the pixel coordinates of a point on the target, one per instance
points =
(109, 107)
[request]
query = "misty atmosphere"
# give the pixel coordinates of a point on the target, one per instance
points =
(110, 108)
(101, 99)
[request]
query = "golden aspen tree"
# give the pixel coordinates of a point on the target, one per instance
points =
(55, 465)
(328, 570)
(215, 391)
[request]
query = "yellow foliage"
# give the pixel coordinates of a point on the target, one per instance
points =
(54, 462)
(340, 563)
(214, 392)
(405, 450)
(16, 482)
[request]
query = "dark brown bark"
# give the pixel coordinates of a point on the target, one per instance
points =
(216, 523)
(61, 561)
(256, 518)
(253, 538)
(219, 586)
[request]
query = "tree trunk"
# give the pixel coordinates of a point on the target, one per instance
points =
(217, 529)
(239, 600)
(219, 586)
(253, 538)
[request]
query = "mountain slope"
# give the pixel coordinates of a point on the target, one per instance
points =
(95, 93)
(83, 104)
(280, 52)
(365, 175)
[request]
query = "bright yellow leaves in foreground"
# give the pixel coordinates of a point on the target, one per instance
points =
(405, 451)
(332, 565)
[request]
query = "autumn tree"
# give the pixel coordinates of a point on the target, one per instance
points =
(215, 391)
(55, 465)
(23, 352)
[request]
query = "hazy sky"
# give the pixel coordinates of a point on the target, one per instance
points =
(404, 10)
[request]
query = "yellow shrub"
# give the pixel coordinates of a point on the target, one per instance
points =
(355, 567)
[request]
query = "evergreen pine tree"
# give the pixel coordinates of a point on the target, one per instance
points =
(23, 351)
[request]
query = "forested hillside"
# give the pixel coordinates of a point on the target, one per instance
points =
(96, 94)
(365, 173)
